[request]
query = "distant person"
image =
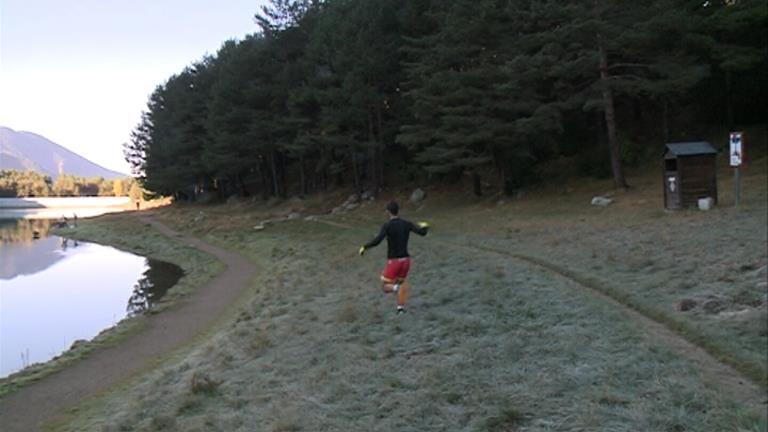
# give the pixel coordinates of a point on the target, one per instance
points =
(397, 231)
(137, 205)
(75, 219)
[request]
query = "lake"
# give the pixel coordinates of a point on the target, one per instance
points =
(55, 291)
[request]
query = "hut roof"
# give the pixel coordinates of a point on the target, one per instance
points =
(690, 148)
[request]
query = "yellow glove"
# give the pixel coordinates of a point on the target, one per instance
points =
(424, 224)
(362, 250)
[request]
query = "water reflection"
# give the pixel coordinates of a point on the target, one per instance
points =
(154, 283)
(25, 247)
(23, 230)
(54, 291)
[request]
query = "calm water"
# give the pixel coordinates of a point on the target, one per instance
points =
(54, 291)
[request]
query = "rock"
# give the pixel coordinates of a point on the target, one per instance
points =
(685, 305)
(713, 306)
(206, 197)
(366, 196)
(310, 218)
(337, 210)
(354, 198)
(293, 215)
(259, 227)
(200, 216)
(601, 201)
(351, 206)
(234, 199)
(418, 195)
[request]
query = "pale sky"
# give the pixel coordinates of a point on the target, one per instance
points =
(79, 72)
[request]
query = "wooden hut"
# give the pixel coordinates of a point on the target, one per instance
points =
(690, 173)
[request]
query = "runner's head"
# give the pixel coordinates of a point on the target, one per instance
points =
(393, 208)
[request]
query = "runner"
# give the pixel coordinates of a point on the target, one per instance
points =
(396, 231)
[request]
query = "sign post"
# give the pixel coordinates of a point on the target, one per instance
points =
(736, 155)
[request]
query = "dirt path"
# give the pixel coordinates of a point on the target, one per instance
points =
(713, 371)
(30, 408)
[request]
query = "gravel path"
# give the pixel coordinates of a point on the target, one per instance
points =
(37, 404)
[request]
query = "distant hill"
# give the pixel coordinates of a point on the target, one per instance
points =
(29, 151)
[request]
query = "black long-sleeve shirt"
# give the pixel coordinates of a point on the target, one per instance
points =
(396, 231)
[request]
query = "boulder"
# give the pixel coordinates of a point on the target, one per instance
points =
(234, 199)
(351, 206)
(685, 305)
(366, 196)
(354, 198)
(418, 195)
(293, 215)
(601, 201)
(713, 306)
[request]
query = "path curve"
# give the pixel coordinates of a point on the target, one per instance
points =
(731, 381)
(39, 403)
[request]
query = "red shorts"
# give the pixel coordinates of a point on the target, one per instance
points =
(396, 268)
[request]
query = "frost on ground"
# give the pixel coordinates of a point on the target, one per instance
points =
(488, 344)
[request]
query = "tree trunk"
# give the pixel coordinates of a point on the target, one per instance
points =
(610, 121)
(728, 100)
(302, 173)
(477, 185)
(665, 120)
(355, 171)
(379, 152)
(275, 176)
(283, 170)
(372, 152)
(243, 190)
(265, 183)
(503, 177)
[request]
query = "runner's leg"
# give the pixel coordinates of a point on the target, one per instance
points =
(402, 292)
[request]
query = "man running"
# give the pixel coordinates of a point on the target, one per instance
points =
(396, 231)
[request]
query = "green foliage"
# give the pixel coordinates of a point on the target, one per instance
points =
(15, 183)
(342, 89)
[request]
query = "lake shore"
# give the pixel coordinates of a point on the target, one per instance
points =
(128, 233)
(63, 202)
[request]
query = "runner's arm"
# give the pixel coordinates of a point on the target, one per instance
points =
(376, 240)
(421, 229)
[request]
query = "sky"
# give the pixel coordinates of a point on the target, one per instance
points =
(80, 72)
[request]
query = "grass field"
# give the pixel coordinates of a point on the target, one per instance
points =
(715, 262)
(490, 342)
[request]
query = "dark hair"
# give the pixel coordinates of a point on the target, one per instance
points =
(393, 208)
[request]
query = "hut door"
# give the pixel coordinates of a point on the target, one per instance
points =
(672, 195)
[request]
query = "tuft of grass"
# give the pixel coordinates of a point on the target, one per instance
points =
(201, 383)
(508, 420)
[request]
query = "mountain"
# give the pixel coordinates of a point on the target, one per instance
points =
(29, 151)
